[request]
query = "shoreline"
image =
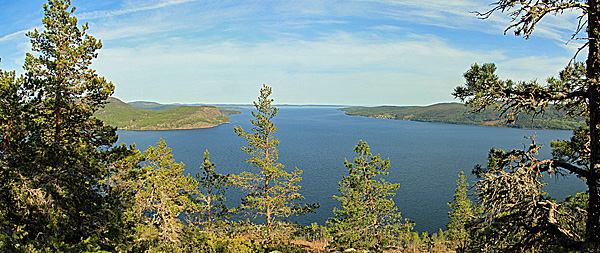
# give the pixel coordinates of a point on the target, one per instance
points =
(485, 124)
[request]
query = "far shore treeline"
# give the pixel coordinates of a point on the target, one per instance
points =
(155, 116)
(460, 114)
(66, 187)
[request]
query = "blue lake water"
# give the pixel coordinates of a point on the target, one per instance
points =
(425, 157)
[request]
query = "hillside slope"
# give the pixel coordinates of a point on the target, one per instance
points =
(125, 116)
(455, 113)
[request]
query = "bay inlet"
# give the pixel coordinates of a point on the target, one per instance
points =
(425, 157)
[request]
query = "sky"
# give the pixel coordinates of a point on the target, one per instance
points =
(327, 52)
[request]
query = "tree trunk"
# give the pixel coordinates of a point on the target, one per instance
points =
(593, 75)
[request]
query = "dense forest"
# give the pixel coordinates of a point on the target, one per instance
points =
(455, 113)
(146, 105)
(154, 106)
(66, 187)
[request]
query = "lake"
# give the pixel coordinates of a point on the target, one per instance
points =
(425, 157)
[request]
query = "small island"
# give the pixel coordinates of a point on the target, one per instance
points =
(156, 116)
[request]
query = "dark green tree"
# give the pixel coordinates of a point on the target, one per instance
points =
(52, 149)
(576, 91)
(273, 192)
(12, 124)
(368, 217)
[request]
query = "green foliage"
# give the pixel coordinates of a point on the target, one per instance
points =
(516, 214)
(52, 150)
(484, 88)
(160, 194)
(575, 92)
(575, 150)
(273, 192)
(196, 240)
(573, 212)
(368, 218)
(124, 116)
(461, 215)
(455, 113)
(210, 196)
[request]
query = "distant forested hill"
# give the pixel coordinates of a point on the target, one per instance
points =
(159, 117)
(455, 113)
(145, 105)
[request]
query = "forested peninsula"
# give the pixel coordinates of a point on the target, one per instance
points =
(154, 116)
(456, 113)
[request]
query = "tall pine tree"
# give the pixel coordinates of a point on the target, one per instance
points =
(52, 149)
(273, 192)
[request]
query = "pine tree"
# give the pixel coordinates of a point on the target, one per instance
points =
(576, 91)
(460, 215)
(161, 195)
(52, 148)
(513, 211)
(273, 192)
(210, 196)
(368, 217)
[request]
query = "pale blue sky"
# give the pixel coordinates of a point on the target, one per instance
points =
(363, 52)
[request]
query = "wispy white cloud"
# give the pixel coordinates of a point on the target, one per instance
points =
(15, 35)
(313, 51)
(303, 23)
(462, 14)
(141, 6)
(388, 28)
(127, 32)
(421, 69)
(432, 11)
